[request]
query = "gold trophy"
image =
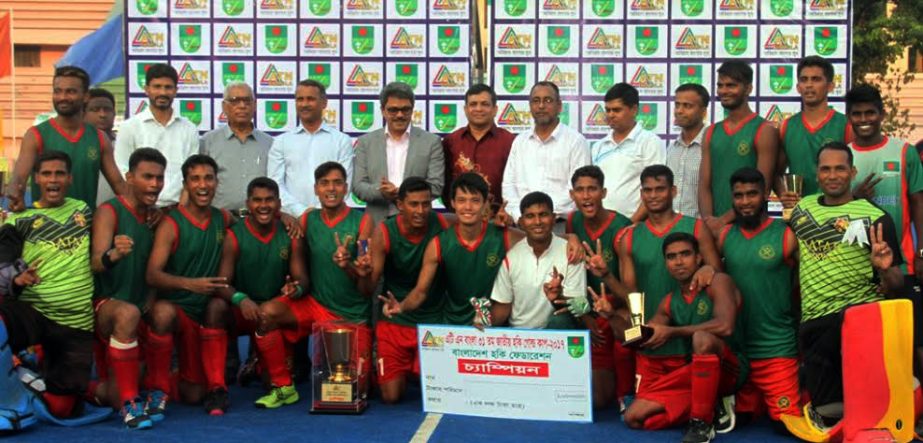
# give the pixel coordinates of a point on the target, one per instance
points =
(638, 333)
(791, 183)
(337, 370)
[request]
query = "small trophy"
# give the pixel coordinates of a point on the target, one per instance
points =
(791, 183)
(337, 372)
(638, 333)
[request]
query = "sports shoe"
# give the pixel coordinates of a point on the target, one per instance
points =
(216, 401)
(133, 415)
(725, 418)
(156, 405)
(697, 431)
(817, 421)
(278, 397)
(249, 371)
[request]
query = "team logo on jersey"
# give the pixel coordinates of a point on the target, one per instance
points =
(316, 39)
(232, 7)
(232, 39)
(232, 72)
(690, 74)
(142, 72)
(405, 8)
(647, 40)
(515, 8)
(647, 116)
(276, 39)
(781, 78)
(283, 253)
(80, 219)
(603, 8)
(602, 77)
(363, 39)
(492, 260)
(446, 116)
(403, 40)
(92, 153)
(273, 77)
(448, 39)
(781, 8)
(841, 224)
(767, 252)
(192, 110)
(219, 236)
(575, 347)
(147, 7)
(608, 255)
(825, 40)
(561, 78)
(743, 148)
(701, 307)
(692, 8)
(735, 40)
(362, 115)
(190, 37)
(320, 72)
(319, 7)
(514, 77)
(783, 402)
(37, 223)
(407, 73)
(558, 39)
(779, 41)
(276, 114)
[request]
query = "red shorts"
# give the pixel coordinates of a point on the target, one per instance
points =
(397, 351)
(101, 345)
(307, 311)
(773, 385)
(242, 326)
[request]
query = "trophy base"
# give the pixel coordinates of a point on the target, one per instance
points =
(637, 336)
(338, 398)
(321, 407)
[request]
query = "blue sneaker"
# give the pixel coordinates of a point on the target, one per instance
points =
(156, 405)
(133, 415)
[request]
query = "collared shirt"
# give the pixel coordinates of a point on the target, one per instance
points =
(486, 156)
(294, 156)
(536, 165)
(622, 164)
(684, 160)
(177, 140)
(522, 276)
(396, 150)
(239, 162)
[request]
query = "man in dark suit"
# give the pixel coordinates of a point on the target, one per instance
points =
(388, 155)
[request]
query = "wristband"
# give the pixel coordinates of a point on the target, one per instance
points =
(237, 298)
(107, 261)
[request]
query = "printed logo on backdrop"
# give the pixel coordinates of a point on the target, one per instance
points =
(649, 78)
(448, 39)
(363, 77)
(647, 9)
(514, 116)
(331, 114)
(515, 41)
(191, 109)
(276, 77)
(826, 41)
(233, 39)
(448, 78)
(445, 117)
(565, 75)
(276, 40)
(781, 79)
(690, 74)
(408, 73)
(839, 80)
(777, 112)
(558, 41)
(235, 9)
(516, 9)
(736, 9)
(560, 9)
(602, 9)
(418, 116)
(320, 40)
(190, 8)
(782, 41)
(320, 8)
(692, 42)
(514, 78)
(327, 72)
(568, 114)
(695, 73)
(141, 73)
(602, 41)
(147, 38)
(363, 40)
(647, 41)
(691, 9)
(406, 41)
(602, 76)
(141, 106)
(276, 9)
(275, 114)
(651, 117)
(363, 9)
(363, 115)
(780, 8)
(594, 120)
(191, 39)
(219, 117)
(826, 9)
(404, 9)
(147, 8)
(320, 72)
(232, 72)
(194, 77)
(735, 41)
(442, 9)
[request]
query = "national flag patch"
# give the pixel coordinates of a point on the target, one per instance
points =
(891, 166)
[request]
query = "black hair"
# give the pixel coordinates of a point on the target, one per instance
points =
(399, 90)
(262, 183)
(628, 94)
(698, 89)
(470, 182)
(478, 88)
(737, 70)
(198, 160)
(146, 155)
(864, 93)
(816, 61)
(677, 237)
(102, 93)
(657, 171)
(835, 146)
(311, 83)
(49, 156)
(547, 84)
(535, 198)
(748, 175)
(325, 169)
(76, 72)
(160, 70)
(591, 171)
(413, 184)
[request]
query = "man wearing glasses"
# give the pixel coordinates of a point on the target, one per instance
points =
(385, 156)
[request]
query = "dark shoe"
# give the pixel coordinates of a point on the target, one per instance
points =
(697, 431)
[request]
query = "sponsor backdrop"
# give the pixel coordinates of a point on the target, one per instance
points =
(586, 46)
(353, 47)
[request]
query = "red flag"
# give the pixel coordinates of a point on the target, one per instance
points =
(6, 46)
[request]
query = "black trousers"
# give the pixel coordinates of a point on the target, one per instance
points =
(822, 362)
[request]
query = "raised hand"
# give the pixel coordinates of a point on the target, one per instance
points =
(600, 302)
(595, 261)
(388, 190)
(292, 227)
(866, 188)
(363, 264)
(554, 287)
(702, 278)
(575, 253)
(342, 255)
(389, 305)
(290, 288)
(503, 218)
(881, 254)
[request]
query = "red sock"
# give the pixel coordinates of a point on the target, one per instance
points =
(125, 369)
(624, 370)
(158, 351)
(214, 354)
(273, 350)
(61, 406)
(706, 373)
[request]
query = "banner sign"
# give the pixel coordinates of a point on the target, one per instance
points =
(503, 372)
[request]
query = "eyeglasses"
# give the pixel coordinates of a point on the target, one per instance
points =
(540, 100)
(233, 101)
(396, 111)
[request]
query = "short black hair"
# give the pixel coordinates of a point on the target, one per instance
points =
(311, 83)
(657, 171)
(470, 182)
(73, 71)
(161, 70)
(816, 61)
(413, 184)
(50, 155)
(547, 84)
(399, 90)
(478, 88)
(535, 198)
(146, 155)
(198, 160)
(698, 89)
(864, 93)
(628, 94)
(102, 93)
(325, 169)
(677, 237)
(748, 175)
(591, 171)
(737, 70)
(835, 146)
(263, 183)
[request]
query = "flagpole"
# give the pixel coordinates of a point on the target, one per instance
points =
(13, 85)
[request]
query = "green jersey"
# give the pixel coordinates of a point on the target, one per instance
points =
(331, 285)
(469, 270)
(268, 254)
(403, 261)
(897, 165)
(730, 149)
(644, 244)
(802, 143)
(196, 252)
(125, 280)
(60, 238)
(606, 234)
(85, 151)
(834, 267)
(756, 262)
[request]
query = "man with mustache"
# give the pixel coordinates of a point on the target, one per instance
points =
(89, 148)
(160, 127)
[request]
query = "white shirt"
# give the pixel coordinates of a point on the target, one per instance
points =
(177, 140)
(622, 164)
(521, 278)
(535, 165)
(396, 149)
(684, 160)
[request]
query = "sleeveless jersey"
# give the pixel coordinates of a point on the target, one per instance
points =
(404, 259)
(196, 253)
(897, 165)
(756, 262)
(802, 143)
(125, 281)
(731, 149)
(645, 248)
(469, 271)
(262, 262)
(84, 149)
(330, 285)
(576, 223)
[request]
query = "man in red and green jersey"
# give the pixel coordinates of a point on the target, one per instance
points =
(183, 266)
(743, 138)
(332, 235)
(759, 254)
(803, 134)
(396, 250)
(89, 149)
(598, 228)
(121, 244)
(260, 243)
